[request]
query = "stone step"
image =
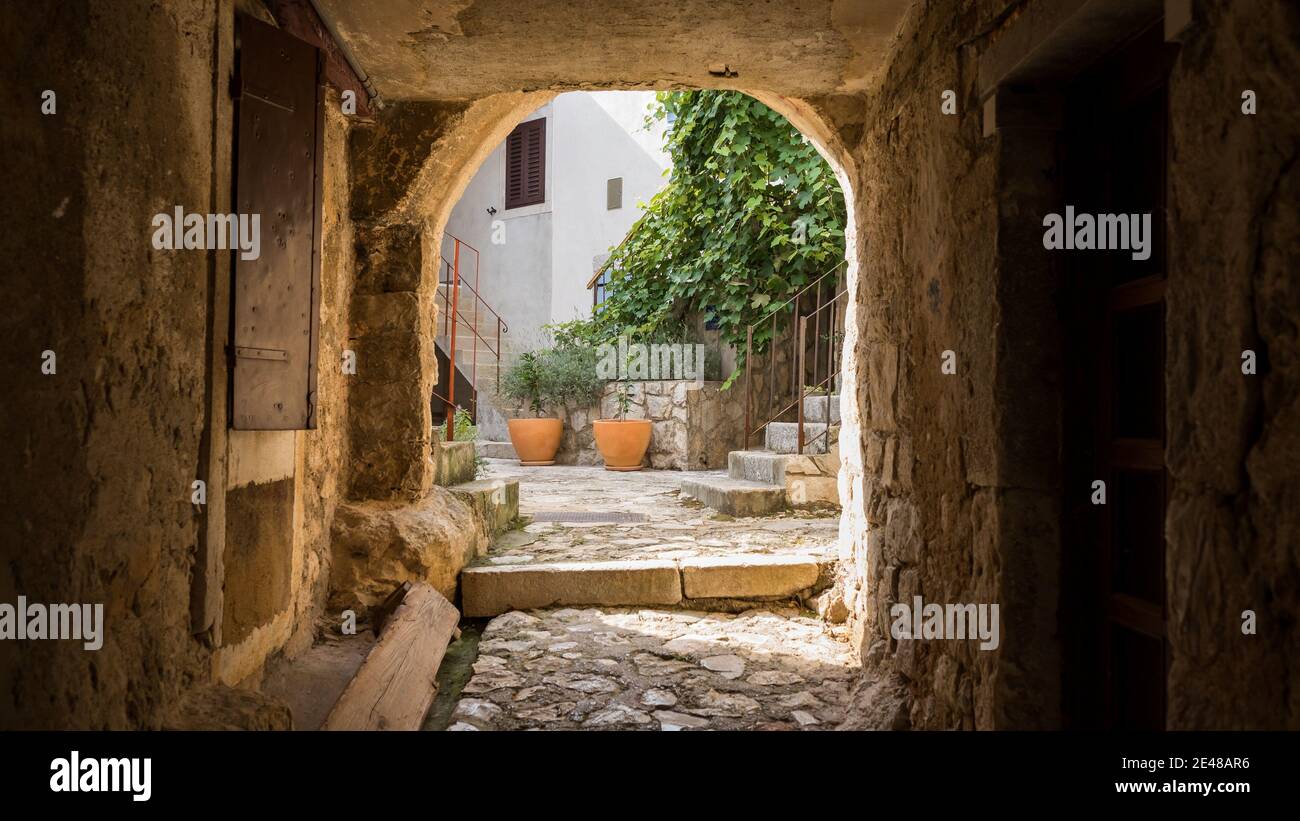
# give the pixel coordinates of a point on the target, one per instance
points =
(496, 450)
(490, 590)
(736, 497)
(453, 462)
(757, 466)
(494, 501)
(745, 577)
(493, 590)
(809, 480)
(783, 437)
(815, 408)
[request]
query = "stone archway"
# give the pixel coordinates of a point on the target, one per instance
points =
(451, 100)
(409, 169)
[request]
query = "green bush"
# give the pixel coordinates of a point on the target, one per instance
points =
(568, 375)
(523, 382)
(561, 375)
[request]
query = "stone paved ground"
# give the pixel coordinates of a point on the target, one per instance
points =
(639, 669)
(650, 669)
(675, 528)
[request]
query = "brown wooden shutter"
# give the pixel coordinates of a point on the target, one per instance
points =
(275, 334)
(526, 164)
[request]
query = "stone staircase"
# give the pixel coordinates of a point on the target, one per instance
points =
(476, 337)
(494, 501)
(763, 482)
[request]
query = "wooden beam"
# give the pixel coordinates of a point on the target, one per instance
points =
(395, 686)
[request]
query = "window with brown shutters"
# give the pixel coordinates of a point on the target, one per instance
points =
(526, 164)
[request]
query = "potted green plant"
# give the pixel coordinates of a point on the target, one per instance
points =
(556, 377)
(536, 438)
(622, 441)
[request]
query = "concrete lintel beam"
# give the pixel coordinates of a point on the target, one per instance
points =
(1012, 109)
(1051, 42)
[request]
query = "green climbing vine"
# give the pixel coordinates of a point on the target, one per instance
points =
(751, 213)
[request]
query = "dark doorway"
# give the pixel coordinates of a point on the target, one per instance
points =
(1115, 156)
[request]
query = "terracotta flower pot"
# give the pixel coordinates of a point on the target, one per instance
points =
(536, 440)
(622, 442)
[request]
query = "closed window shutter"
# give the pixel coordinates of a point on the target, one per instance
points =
(526, 164)
(276, 313)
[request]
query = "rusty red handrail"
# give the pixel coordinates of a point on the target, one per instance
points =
(797, 336)
(453, 316)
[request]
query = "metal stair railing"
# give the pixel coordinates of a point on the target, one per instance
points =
(453, 317)
(806, 305)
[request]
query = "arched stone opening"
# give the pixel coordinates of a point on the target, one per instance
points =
(409, 169)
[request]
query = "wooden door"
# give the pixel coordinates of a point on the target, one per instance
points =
(1115, 159)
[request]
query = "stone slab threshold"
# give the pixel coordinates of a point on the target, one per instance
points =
(736, 497)
(493, 590)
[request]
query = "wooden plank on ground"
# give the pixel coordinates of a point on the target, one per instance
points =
(395, 685)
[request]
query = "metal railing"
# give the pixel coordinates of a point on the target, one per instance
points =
(453, 317)
(807, 305)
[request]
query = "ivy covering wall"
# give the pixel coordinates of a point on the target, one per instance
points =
(751, 214)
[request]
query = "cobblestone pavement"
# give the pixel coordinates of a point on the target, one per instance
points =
(649, 669)
(675, 528)
(640, 669)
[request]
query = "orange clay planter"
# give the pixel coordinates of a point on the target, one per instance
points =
(622, 442)
(536, 440)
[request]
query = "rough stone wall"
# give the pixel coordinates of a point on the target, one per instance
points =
(322, 466)
(393, 320)
(953, 491)
(97, 477)
(407, 169)
(921, 485)
(1234, 440)
(98, 458)
(313, 463)
(693, 427)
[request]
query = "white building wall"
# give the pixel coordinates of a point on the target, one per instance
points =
(599, 136)
(515, 275)
(539, 274)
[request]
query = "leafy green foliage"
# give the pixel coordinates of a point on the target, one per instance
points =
(751, 214)
(523, 382)
(569, 375)
(561, 375)
(623, 400)
(467, 431)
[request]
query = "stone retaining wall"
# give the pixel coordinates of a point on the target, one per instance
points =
(695, 425)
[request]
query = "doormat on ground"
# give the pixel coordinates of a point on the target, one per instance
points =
(586, 516)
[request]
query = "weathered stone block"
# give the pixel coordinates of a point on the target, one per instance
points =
(748, 576)
(385, 313)
(735, 497)
(496, 450)
(490, 591)
(379, 545)
(453, 462)
(495, 501)
(388, 258)
(757, 466)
